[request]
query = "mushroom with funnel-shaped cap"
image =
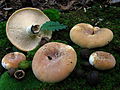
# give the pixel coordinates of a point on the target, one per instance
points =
(87, 36)
(23, 28)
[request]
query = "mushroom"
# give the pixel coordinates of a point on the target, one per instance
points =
(19, 74)
(102, 60)
(11, 60)
(87, 36)
(53, 62)
(23, 28)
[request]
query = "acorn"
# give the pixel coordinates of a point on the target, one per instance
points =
(85, 53)
(93, 78)
(19, 74)
(78, 73)
(86, 64)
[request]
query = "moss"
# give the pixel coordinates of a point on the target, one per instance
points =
(109, 79)
(29, 82)
(53, 14)
(25, 64)
(4, 44)
(30, 54)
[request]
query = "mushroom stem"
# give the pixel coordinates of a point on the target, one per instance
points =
(19, 74)
(33, 30)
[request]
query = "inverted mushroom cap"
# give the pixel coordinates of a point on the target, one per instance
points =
(53, 62)
(11, 60)
(87, 36)
(18, 24)
(102, 60)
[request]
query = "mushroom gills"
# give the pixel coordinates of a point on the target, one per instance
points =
(23, 28)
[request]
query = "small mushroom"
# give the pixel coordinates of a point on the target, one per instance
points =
(11, 60)
(53, 62)
(87, 36)
(78, 73)
(19, 74)
(23, 28)
(102, 60)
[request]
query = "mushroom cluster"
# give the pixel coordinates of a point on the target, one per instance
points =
(53, 61)
(87, 36)
(23, 30)
(11, 62)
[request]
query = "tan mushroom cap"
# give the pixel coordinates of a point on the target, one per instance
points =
(102, 60)
(17, 24)
(11, 60)
(87, 36)
(53, 62)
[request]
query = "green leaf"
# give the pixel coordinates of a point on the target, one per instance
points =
(52, 26)
(53, 14)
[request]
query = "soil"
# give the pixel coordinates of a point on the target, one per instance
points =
(7, 7)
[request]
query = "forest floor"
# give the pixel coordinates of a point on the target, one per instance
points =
(97, 15)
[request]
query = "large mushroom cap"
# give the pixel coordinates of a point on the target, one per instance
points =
(17, 24)
(53, 62)
(87, 36)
